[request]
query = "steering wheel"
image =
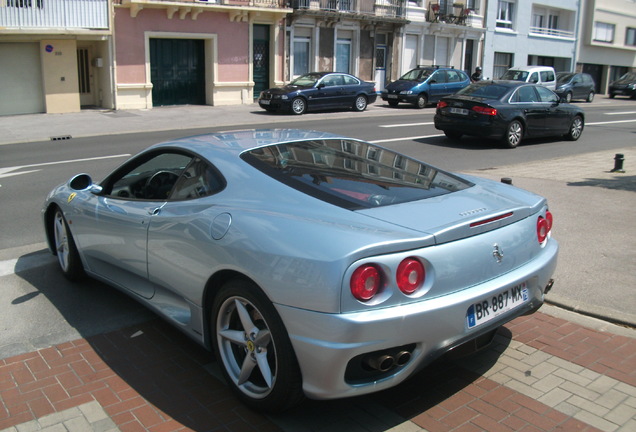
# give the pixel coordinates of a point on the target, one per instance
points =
(160, 184)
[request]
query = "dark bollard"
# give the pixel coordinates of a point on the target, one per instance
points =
(618, 163)
(506, 180)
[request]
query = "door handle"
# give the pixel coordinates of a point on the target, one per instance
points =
(154, 211)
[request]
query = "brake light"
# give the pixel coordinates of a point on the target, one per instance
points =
(544, 227)
(365, 282)
(485, 110)
(410, 275)
(442, 104)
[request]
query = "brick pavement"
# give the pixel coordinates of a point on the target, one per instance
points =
(542, 373)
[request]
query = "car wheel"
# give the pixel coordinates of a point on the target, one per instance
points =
(611, 95)
(67, 256)
(576, 129)
(453, 135)
(568, 97)
(393, 103)
(422, 101)
(590, 97)
(514, 133)
(360, 103)
(253, 348)
(299, 106)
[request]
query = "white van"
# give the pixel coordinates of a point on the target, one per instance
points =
(543, 75)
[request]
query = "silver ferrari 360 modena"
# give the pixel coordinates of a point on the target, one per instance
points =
(312, 264)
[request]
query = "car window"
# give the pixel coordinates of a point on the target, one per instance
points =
(515, 75)
(547, 95)
(150, 177)
(439, 77)
(349, 80)
(453, 76)
(547, 76)
(199, 179)
(534, 78)
(564, 78)
(352, 174)
(333, 80)
(416, 75)
(306, 80)
(486, 91)
(526, 94)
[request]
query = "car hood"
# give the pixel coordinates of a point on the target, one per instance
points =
(286, 89)
(400, 85)
(462, 214)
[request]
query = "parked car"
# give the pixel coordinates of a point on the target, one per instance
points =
(571, 85)
(508, 111)
(424, 85)
(542, 75)
(311, 263)
(319, 90)
(624, 86)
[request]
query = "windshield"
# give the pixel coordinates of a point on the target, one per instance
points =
(352, 174)
(515, 75)
(307, 80)
(484, 91)
(564, 78)
(629, 76)
(417, 75)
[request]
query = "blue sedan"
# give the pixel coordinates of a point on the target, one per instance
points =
(312, 264)
(318, 91)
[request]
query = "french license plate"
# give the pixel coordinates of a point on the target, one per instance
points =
(461, 111)
(265, 101)
(618, 91)
(491, 307)
(392, 96)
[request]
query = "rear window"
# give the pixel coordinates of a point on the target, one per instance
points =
(352, 174)
(485, 91)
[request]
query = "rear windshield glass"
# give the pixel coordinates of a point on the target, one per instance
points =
(352, 174)
(485, 91)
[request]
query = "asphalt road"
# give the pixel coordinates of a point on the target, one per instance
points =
(40, 308)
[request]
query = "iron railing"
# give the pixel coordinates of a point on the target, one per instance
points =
(544, 31)
(238, 3)
(54, 14)
(378, 8)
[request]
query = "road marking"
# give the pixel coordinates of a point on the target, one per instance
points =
(405, 138)
(4, 172)
(407, 125)
(621, 113)
(610, 122)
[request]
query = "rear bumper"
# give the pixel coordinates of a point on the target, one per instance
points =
(472, 127)
(327, 344)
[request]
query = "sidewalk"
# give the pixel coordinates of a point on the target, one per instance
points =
(553, 370)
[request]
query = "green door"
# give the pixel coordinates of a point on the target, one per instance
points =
(177, 71)
(261, 58)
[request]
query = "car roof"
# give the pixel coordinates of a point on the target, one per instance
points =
(506, 83)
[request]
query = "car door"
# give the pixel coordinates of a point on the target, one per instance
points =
(329, 92)
(187, 228)
(350, 89)
(437, 86)
(115, 246)
(454, 82)
(528, 102)
(557, 116)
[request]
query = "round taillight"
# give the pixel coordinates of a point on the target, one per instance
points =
(365, 282)
(410, 275)
(543, 227)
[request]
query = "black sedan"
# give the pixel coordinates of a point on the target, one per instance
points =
(508, 111)
(318, 91)
(624, 86)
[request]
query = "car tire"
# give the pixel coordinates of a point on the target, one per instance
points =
(393, 103)
(590, 97)
(421, 102)
(253, 348)
(576, 129)
(298, 106)
(453, 135)
(67, 255)
(568, 97)
(514, 134)
(360, 104)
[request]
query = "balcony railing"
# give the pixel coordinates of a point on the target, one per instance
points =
(376, 8)
(544, 31)
(252, 3)
(54, 14)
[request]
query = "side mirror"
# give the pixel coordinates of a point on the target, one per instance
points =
(321, 85)
(84, 182)
(433, 81)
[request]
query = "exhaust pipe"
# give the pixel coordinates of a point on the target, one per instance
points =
(402, 358)
(381, 363)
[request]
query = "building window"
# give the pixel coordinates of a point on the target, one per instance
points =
(630, 36)
(26, 3)
(505, 13)
(343, 55)
(603, 32)
(503, 62)
(301, 56)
